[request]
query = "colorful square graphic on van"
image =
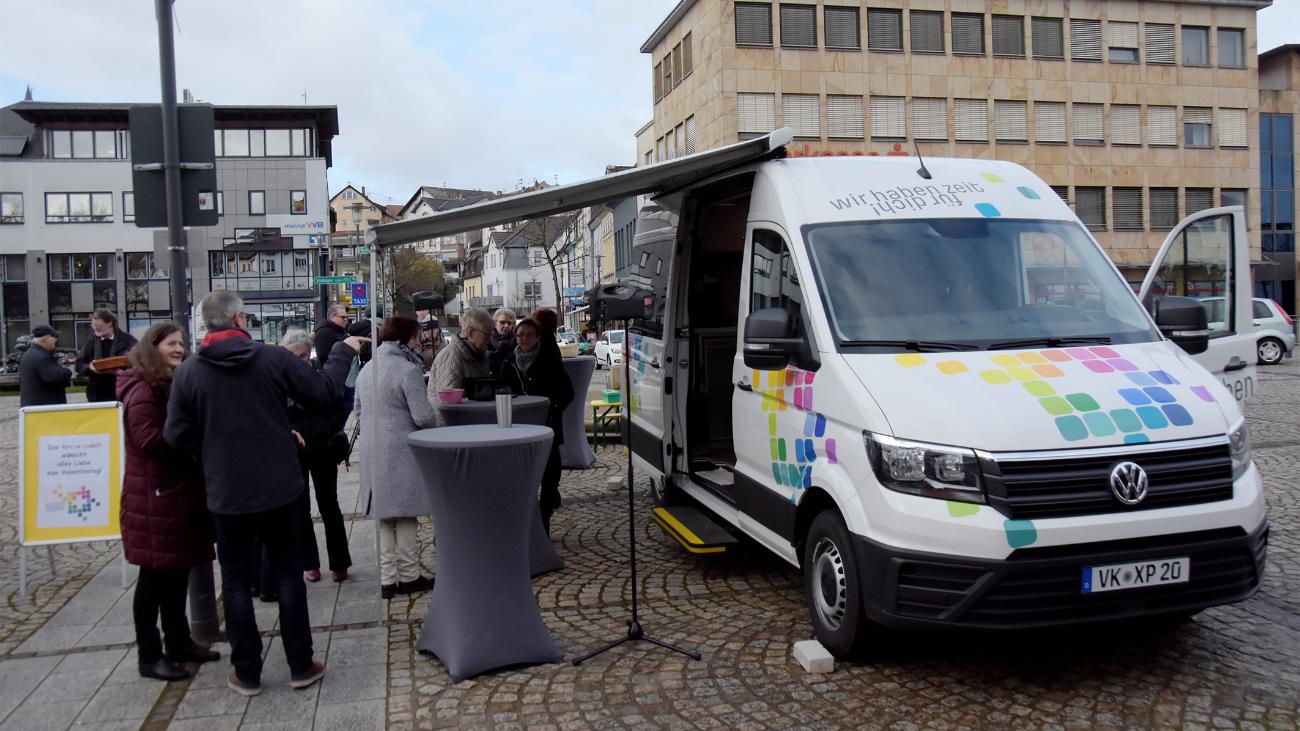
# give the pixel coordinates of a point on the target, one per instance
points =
(793, 453)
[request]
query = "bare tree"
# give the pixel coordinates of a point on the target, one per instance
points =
(406, 271)
(555, 236)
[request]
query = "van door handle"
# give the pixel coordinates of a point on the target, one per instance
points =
(1235, 364)
(744, 386)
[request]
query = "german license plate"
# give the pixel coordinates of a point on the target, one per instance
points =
(1135, 574)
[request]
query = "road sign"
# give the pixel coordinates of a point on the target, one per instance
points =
(359, 298)
(334, 279)
(573, 291)
(198, 165)
(364, 251)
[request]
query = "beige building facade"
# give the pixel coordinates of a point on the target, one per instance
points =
(1135, 112)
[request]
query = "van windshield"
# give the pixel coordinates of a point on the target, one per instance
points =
(970, 284)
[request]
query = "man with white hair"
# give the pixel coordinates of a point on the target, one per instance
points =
(465, 357)
(228, 405)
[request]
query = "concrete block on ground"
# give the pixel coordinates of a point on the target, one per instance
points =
(813, 657)
(615, 482)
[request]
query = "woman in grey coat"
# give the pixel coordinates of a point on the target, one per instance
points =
(390, 404)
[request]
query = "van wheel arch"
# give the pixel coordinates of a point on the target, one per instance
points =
(815, 500)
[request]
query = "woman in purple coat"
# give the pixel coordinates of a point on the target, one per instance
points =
(166, 529)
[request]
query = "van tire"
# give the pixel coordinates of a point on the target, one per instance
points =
(1270, 351)
(832, 587)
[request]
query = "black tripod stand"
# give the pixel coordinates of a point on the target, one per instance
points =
(634, 631)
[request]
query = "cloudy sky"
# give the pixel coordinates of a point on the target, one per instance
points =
(477, 94)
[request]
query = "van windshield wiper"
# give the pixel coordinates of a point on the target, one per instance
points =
(1050, 342)
(919, 346)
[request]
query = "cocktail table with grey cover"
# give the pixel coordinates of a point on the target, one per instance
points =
(483, 481)
(542, 557)
(575, 452)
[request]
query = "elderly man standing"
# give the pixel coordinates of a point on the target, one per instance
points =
(109, 340)
(464, 357)
(228, 405)
(42, 380)
(333, 331)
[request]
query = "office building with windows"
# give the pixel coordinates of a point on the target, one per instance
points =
(1279, 138)
(68, 240)
(1135, 112)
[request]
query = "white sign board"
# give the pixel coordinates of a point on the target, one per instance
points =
(291, 225)
(73, 480)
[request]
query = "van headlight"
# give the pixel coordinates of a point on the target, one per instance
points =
(929, 470)
(1239, 445)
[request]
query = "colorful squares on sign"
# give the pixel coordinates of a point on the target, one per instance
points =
(910, 360)
(1135, 396)
(1098, 366)
(1121, 364)
(1165, 378)
(1005, 360)
(1136, 439)
(1072, 428)
(1038, 388)
(1178, 416)
(771, 425)
(1099, 424)
(1028, 192)
(1082, 402)
(820, 430)
(952, 367)
(1057, 356)
(992, 177)
(1141, 379)
(1126, 420)
(962, 510)
(1031, 358)
(1080, 353)
(1203, 393)
(809, 424)
(778, 474)
(995, 378)
(1153, 418)
(1104, 352)
(772, 448)
(1055, 405)
(830, 452)
(1048, 371)
(1160, 395)
(798, 399)
(988, 210)
(1020, 533)
(1022, 373)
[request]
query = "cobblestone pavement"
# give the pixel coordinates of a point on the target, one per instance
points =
(1229, 667)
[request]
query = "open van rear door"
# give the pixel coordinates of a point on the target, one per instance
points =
(1207, 257)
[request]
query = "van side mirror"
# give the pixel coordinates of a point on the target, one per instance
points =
(1184, 321)
(770, 339)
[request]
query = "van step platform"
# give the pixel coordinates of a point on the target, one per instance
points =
(693, 529)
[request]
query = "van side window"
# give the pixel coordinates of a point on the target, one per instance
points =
(774, 281)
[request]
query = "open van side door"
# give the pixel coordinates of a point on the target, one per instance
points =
(1207, 257)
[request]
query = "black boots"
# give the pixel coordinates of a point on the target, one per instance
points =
(163, 669)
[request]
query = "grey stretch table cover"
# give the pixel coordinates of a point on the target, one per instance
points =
(483, 481)
(542, 557)
(575, 452)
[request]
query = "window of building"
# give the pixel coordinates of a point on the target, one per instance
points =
(679, 137)
(884, 30)
(257, 143)
(1160, 43)
(235, 142)
(278, 143)
(756, 113)
(678, 74)
(968, 34)
(1089, 124)
(1011, 121)
(661, 152)
(128, 206)
(670, 143)
(843, 29)
(221, 203)
(1197, 199)
(926, 31)
(80, 267)
(844, 117)
(971, 120)
(1277, 185)
(1232, 47)
(1196, 46)
(1197, 127)
(1232, 197)
(1164, 208)
(1126, 209)
(753, 24)
(659, 81)
(78, 207)
(1049, 122)
(690, 135)
(11, 207)
(668, 73)
(1090, 206)
(888, 117)
(799, 26)
(1123, 42)
(103, 144)
(801, 113)
(1125, 124)
(1048, 38)
(1085, 40)
(650, 157)
(1062, 192)
(257, 203)
(930, 119)
(1009, 36)
(298, 202)
(1162, 126)
(1232, 128)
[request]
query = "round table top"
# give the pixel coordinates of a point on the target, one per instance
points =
(516, 402)
(579, 357)
(477, 435)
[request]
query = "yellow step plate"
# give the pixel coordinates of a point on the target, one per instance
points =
(692, 529)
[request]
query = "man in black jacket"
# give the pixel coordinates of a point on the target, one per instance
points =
(108, 340)
(41, 378)
(228, 405)
(333, 331)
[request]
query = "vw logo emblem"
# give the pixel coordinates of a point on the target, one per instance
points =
(1128, 481)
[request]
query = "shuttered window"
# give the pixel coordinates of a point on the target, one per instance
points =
(1090, 207)
(926, 31)
(1062, 192)
(1049, 122)
(688, 60)
(1122, 41)
(1197, 199)
(1049, 37)
(1162, 126)
(968, 34)
(677, 65)
(930, 119)
(971, 120)
(1085, 40)
(1232, 128)
(1089, 126)
(659, 150)
(753, 24)
(801, 113)
(844, 117)
(756, 113)
(1197, 122)
(670, 144)
(888, 119)
(799, 26)
(659, 81)
(1164, 208)
(1125, 124)
(1010, 121)
(842, 28)
(1126, 209)
(885, 30)
(1009, 35)
(690, 135)
(681, 139)
(1160, 43)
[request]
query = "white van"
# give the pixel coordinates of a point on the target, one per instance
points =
(924, 383)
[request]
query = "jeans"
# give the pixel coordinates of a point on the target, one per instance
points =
(237, 548)
(324, 472)
(398, 560)
(160, 590)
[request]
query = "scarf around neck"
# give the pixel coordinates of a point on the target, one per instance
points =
(525, 360)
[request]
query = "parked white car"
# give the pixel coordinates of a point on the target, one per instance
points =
(1274, 329)
(609, 349)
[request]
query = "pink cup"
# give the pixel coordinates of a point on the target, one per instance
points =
(451, 395)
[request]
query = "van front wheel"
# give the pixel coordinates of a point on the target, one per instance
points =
(832, 587)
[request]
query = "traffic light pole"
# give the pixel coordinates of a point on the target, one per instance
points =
(203, 597)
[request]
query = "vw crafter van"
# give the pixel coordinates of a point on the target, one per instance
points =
(925, 384)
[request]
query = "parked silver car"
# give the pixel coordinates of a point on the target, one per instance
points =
(1275, 331)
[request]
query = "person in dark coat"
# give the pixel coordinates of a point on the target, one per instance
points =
(166, 529)
(42, 380)
(332, 332)
(228, 405)
(501, 344)
(108, 340)
(538, 371)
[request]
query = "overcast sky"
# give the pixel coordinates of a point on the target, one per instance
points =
(477, 94)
